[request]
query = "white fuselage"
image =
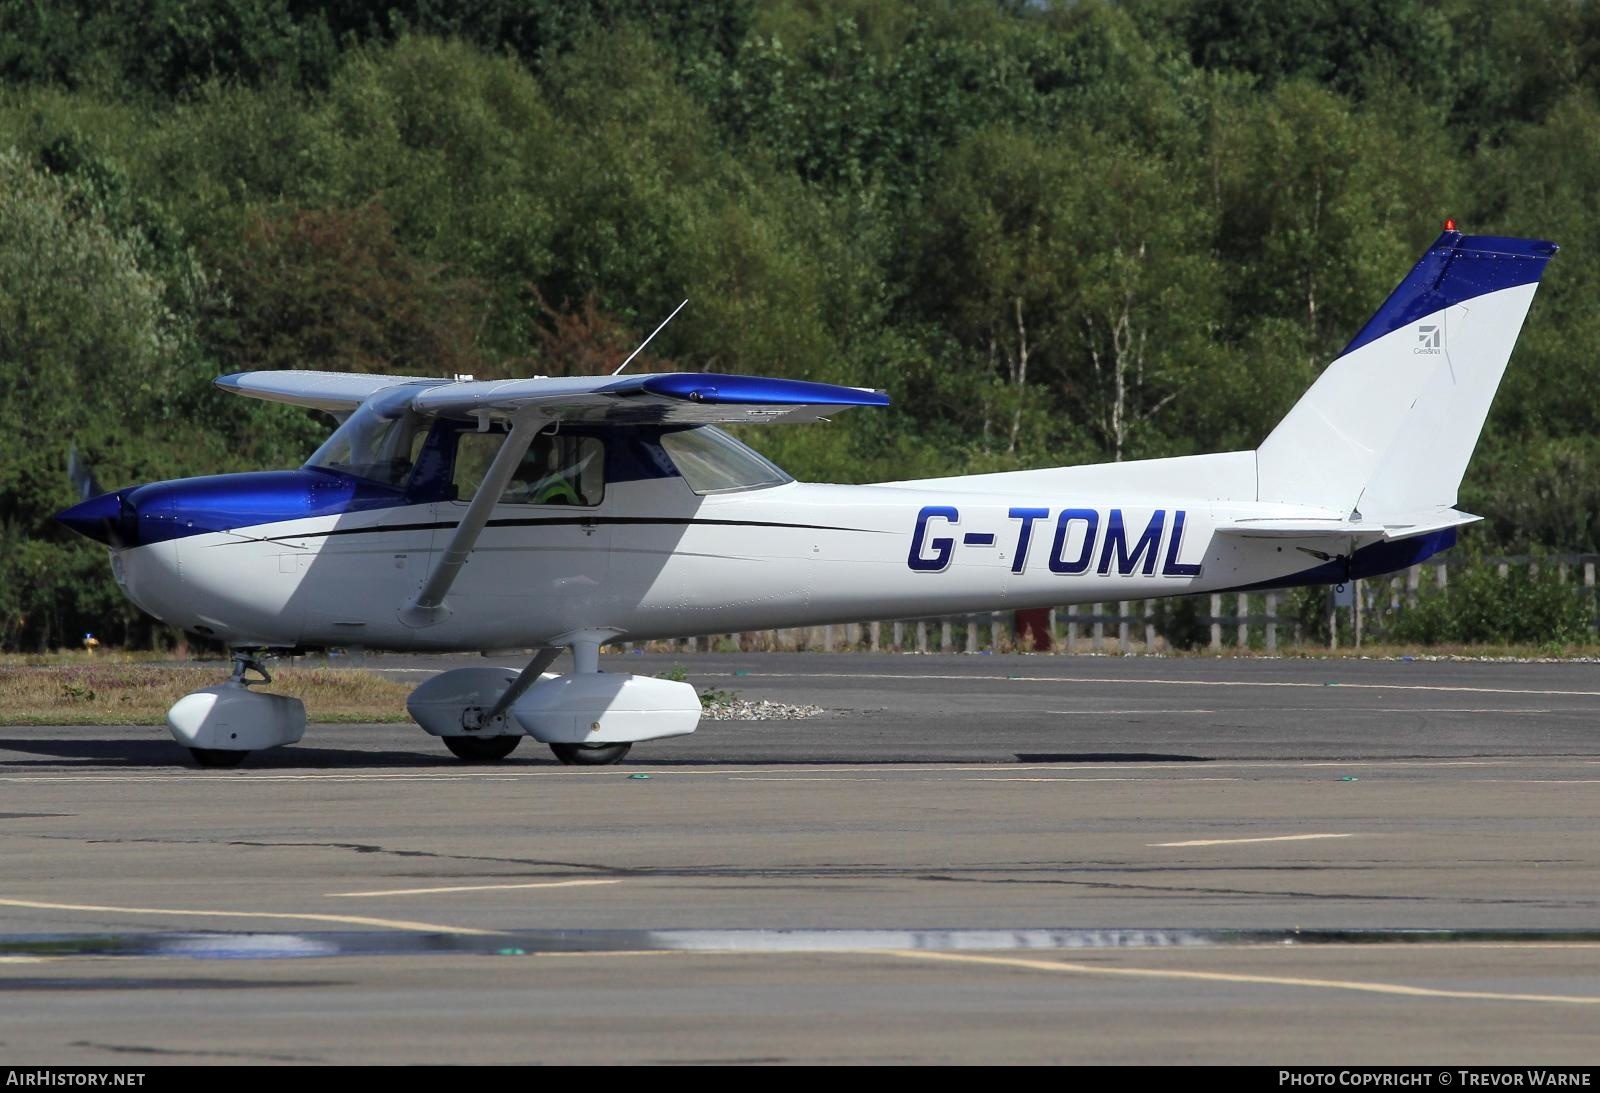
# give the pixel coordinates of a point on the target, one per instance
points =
(654, 559)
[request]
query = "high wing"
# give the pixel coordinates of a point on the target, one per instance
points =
(530, 405)
(336, 392)
(687, 398)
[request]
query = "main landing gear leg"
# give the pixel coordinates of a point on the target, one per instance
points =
(588, 717)
(586, 658)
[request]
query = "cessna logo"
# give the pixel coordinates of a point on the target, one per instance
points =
(1427, 339)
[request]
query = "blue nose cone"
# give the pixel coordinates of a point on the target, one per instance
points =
(108, 519)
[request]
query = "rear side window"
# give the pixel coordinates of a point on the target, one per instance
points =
(711, 461)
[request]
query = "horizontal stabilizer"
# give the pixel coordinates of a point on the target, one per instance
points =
(1374, 529)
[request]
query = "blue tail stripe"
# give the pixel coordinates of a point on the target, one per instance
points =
(1368, 561)
(1457, 267)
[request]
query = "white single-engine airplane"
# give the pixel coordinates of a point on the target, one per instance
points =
(552, 514)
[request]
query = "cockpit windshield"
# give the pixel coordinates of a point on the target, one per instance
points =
(712, 461)
(380, 441)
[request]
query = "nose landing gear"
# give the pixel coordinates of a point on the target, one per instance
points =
(221, 725)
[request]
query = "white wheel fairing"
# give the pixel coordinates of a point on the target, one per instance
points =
(231, 717)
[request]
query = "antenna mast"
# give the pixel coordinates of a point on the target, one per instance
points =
(646, 342)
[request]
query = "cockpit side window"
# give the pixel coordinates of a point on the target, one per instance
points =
(563, 469)
(711, 461)
(379, 442)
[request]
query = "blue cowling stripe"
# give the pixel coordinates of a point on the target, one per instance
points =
(1457, 267)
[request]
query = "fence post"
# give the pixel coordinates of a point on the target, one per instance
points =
(1272, 627)
(1149, 627)
(1099, 642)
(1355, 609)
(1588, 583)
(1072, 629)
(1242, 634)
(1216, 621)
(899, 636)
(1122, 627)
(922, 635)
(972, 633)
(1055, 646)
(947, 643)
(1441, 575)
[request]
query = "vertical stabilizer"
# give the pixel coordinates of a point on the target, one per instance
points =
(1390, 425)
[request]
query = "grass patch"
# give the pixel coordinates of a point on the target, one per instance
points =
(135, 694)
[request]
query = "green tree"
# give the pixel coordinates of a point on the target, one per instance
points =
(90, 354)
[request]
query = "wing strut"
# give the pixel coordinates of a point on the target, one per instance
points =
(427, 606)
(494, 718)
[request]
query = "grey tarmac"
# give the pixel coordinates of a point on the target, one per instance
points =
(1128, 808)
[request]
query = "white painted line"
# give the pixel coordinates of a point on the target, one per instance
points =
(590, 778)
(1546, 781)
(1110, 779)
(1175, 682)
(1366, 987)
(1263, 839)
(800, 778)
(345, 920)
(472, 888)
(179, 776)
(1090, 711)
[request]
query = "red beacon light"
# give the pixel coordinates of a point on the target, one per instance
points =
(1450, 224)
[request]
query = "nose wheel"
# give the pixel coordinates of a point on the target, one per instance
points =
(481, 749)
(217, 758)
(590, 755)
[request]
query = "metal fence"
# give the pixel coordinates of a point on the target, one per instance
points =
(1256, 620)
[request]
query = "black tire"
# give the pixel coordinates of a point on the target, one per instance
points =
(217, 758)
(481, 749)
(590, 755)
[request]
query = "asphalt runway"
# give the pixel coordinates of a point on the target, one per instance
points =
(978, 859)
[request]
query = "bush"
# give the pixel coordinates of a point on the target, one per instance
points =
(1479, 605)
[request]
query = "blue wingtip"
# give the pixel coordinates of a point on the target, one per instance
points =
(719, 388)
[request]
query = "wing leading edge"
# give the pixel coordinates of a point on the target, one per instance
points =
(688, 398)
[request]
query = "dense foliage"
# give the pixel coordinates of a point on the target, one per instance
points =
(1053, 231)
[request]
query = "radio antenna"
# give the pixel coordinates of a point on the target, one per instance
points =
(646, 342)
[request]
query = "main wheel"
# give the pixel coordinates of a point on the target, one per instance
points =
(590, 755)
(217, 757)
(481, 749)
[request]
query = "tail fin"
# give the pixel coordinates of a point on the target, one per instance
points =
(1390, 425)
